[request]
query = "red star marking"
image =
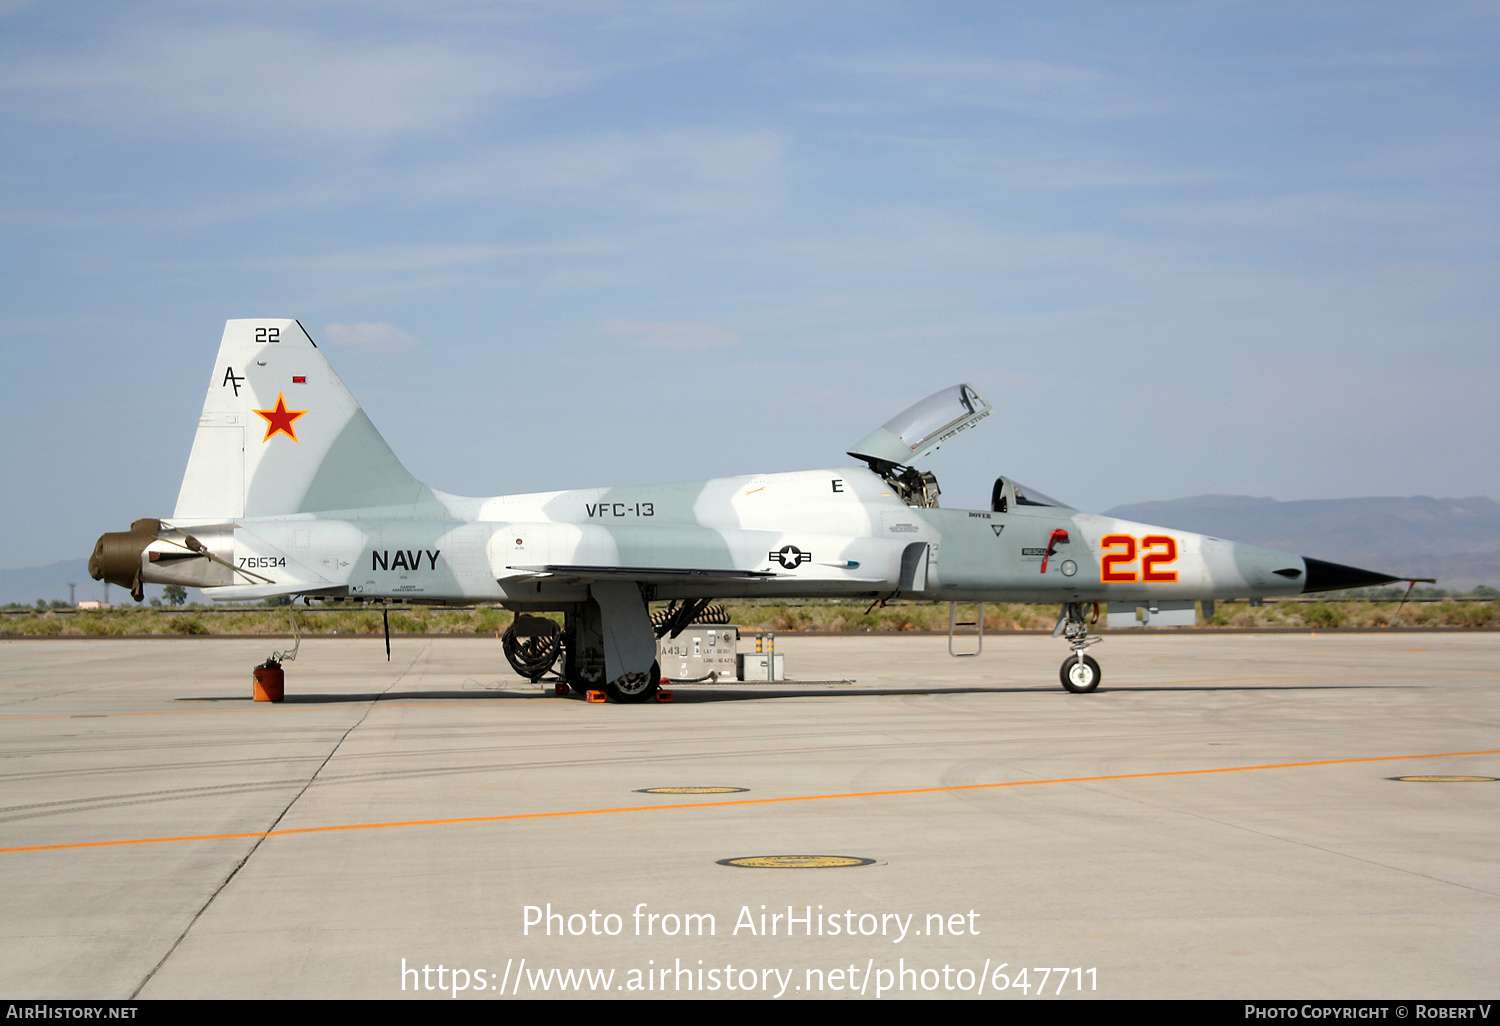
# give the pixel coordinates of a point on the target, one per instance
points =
(280, 419)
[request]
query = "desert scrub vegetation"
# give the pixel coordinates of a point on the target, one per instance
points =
(488, 620)
(312, 622)
(770, 615)
(751, 616)
(1333, 615)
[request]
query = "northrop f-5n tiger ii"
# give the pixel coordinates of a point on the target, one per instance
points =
(290, 491)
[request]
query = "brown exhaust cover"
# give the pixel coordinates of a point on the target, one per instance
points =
(117, 556)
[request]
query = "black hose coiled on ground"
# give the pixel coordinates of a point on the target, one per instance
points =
(533, 650)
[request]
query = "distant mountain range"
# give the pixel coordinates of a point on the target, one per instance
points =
(1454, 540)
(50, 582)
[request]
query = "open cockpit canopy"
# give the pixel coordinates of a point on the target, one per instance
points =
(892, 448)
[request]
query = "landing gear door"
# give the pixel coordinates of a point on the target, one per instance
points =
(919, 429)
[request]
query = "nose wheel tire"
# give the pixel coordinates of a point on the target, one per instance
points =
(635, 687)
(1080, 675)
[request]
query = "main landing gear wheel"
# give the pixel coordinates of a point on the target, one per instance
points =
(583, 682)
(1080, 674)
(635, 687)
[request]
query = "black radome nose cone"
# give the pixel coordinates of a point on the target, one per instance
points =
(1323, 576)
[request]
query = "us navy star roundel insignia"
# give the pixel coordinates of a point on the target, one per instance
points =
(790, 557)
(280, 419)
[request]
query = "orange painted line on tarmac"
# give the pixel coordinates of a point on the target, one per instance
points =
(742, 801)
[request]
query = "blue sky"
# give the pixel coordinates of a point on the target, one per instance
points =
(1243, 248)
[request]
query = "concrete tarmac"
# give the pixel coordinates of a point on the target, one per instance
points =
(1218, 820)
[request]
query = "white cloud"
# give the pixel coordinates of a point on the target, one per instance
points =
(280, 84)
(1029, 87)
(395, 258)
(370, 338)
(682, 336)
(715, 173)
(1317, 210)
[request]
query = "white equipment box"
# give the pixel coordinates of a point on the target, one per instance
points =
(752, 666)
(700, 650)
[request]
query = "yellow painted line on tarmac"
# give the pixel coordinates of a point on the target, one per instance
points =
(741, 801)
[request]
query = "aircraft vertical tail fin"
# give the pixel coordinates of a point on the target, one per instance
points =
(281, 434)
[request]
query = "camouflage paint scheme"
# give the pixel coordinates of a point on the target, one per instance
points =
(290, 490)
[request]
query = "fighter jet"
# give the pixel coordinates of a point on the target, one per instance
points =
(291, 491)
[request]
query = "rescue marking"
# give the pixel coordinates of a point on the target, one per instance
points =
(734, 801)
(796, 862)
(689, 790)
(1434, 779)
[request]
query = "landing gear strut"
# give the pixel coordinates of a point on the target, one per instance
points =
(583, 649)
(1079, 673)
(584, 646)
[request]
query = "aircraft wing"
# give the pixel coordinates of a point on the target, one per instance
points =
(257, 592)
(655, 574)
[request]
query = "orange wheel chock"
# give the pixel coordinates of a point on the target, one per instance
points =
(664, 696)
(593, 697)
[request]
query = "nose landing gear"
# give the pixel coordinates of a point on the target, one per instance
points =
(1079, 673)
